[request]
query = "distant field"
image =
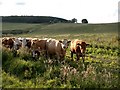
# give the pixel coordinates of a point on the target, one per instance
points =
(101, 63)
(61, 28)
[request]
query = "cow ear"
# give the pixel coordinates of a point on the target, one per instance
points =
(78, 44)
(27, 40)
(87, 44)
(68, 41)
(60, 41)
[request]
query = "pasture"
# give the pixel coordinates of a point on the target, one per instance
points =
(100, 70)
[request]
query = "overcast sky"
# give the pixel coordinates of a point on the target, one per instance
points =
(95, 11)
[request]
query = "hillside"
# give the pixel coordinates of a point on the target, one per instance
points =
(32, 19)
(71, 28)
(57, 28)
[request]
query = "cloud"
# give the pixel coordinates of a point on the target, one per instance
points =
(20, 3)
(0, 3)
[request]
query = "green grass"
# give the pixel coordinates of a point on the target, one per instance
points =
(61, 28)
(17, 26)
(99, 71)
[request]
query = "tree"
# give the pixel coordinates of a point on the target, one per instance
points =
(74, 20)
(84, 21)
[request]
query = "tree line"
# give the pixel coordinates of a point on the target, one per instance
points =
(33, 19)
(39, 19)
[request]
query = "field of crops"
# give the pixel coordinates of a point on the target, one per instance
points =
(100, 69)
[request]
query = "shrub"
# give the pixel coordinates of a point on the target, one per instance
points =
(24, 53)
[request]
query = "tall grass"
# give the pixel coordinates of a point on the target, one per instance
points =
(25, 72)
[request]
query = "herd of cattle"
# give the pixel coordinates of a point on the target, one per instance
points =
(48, 47)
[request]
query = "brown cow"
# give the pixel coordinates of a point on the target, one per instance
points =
(55, 47)
(38, 47)
(8, 42)
(78, 47)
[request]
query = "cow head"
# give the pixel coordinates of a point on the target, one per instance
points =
(4, 41)
(28, 43)
(82, 46)
(17, 44)
(62, 54)
(24, 42)
(65, 43)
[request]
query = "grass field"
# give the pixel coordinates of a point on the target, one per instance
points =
(100, 69)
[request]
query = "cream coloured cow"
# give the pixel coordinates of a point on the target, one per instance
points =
(55, 47)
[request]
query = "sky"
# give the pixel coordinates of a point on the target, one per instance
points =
(95, 11)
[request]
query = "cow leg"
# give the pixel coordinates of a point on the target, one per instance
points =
(38, 53)
(78, 57)
(72, 55)
(33, 54)
(83, 58)
(50, 56)
(46, 54)
(58, 57)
